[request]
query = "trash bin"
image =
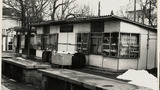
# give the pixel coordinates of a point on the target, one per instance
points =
(50, 57)
(46, 56)
(78, 60)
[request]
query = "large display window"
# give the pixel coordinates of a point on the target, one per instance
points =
(47, 42)
(121, 45)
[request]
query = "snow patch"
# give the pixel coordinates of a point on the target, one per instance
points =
(140, 78)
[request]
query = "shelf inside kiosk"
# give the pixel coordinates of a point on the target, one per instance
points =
(120, 45)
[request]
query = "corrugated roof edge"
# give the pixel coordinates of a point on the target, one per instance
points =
(90, 19)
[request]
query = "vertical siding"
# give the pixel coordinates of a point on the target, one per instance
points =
(95, 60)
(39, 30)
(125, 64)
(110, 63)
(62, 38)
(131, 28)
(152, 52)
(87, 59)
(72, 40)
(4, 43)
(81, 28)
(54, 29)
(111, 26)
(67, 38)
(143, 52)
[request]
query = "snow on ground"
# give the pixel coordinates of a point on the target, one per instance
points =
(141, 78)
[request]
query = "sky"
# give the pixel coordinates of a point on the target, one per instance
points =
(106, 5)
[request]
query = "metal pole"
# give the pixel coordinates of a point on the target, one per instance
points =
(99, 10)
(134, 10)
(62, 11)
(150, 12)
(148, 37)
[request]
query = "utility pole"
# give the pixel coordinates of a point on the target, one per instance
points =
(150, 12)
(134, 10)
(22, 13)
(99, 10)
(62, 11)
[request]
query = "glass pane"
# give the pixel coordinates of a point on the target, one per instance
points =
(85, 37)
(106, 44)
(53, 39)
(79, 37)
(114, 45)
(100, 46)
(39, 42)
(53, 42)
(114, 38)
(124, 45)
(94, 45)
(82, 42)
(134, 46)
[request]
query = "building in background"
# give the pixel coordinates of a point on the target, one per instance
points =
(10, 21)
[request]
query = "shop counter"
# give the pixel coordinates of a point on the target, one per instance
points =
(23, 70)
(64, 79)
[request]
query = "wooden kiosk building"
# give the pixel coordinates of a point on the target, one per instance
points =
(108, 42)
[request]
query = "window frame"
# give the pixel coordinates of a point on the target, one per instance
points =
(97, 37)
(80, 44)
(119, 43)
(66, 28)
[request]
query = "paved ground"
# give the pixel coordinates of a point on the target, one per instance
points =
(3, 87)
(13, 85)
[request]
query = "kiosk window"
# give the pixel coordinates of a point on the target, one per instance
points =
(83, 42)
(96, 43)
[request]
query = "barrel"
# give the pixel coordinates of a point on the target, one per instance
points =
(78, 60)
(46, 56)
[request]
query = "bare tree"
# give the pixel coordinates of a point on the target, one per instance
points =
(149, 8)
(32, 11)
(146, 14)
(69, 9)
(79, 12)
(56, 5)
